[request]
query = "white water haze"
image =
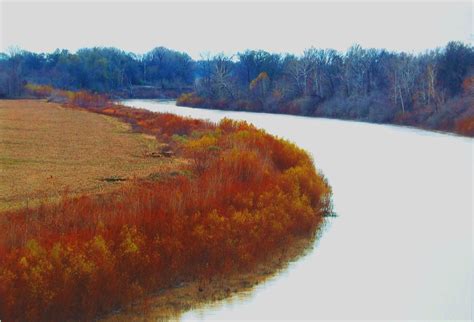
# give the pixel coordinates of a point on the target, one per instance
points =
(401, 246)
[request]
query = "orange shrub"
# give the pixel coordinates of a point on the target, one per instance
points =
(468, 85)
(190, 99)
(465, 126)
(86, 99)
(77, 99)
(39, 91)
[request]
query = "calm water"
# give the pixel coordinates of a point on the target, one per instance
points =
(402, 245)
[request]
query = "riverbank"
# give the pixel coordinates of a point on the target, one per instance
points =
(242, 195)
(148, 92)
(170, 304)
(455, 116)
(389, 183)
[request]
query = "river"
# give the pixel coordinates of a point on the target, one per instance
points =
(402, 244)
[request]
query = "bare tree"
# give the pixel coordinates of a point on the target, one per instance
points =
(14, 71)
(222, 75)
(403, 75)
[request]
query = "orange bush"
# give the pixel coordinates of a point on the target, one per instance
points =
(77, 99)
(190, 99)
(244, 194)
(39, 91)
(86, 99)
(468, 85)
(465, 126)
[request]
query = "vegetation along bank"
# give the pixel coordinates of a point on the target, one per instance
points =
(238, 197)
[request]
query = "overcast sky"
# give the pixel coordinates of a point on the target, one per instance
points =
(196, 27)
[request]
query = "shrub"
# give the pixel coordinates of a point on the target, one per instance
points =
(39, 91)
(465, 126)
(190, 99)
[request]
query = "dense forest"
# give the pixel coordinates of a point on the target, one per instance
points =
(434, 89)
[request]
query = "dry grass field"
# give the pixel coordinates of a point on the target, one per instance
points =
(47, 150)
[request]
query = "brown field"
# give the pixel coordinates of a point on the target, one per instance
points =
(47, 151)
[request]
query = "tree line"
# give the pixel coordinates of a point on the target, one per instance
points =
(433, 89)
(102, 70)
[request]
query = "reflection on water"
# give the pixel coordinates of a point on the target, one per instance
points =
(401, 246)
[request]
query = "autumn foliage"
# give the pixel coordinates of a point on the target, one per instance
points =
(465, 126)
(39, 91)
(242, 195)
(191, 99)
(82, 99)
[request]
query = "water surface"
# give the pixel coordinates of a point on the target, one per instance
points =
(401, 246)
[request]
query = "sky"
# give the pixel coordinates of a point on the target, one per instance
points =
(229, 27)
